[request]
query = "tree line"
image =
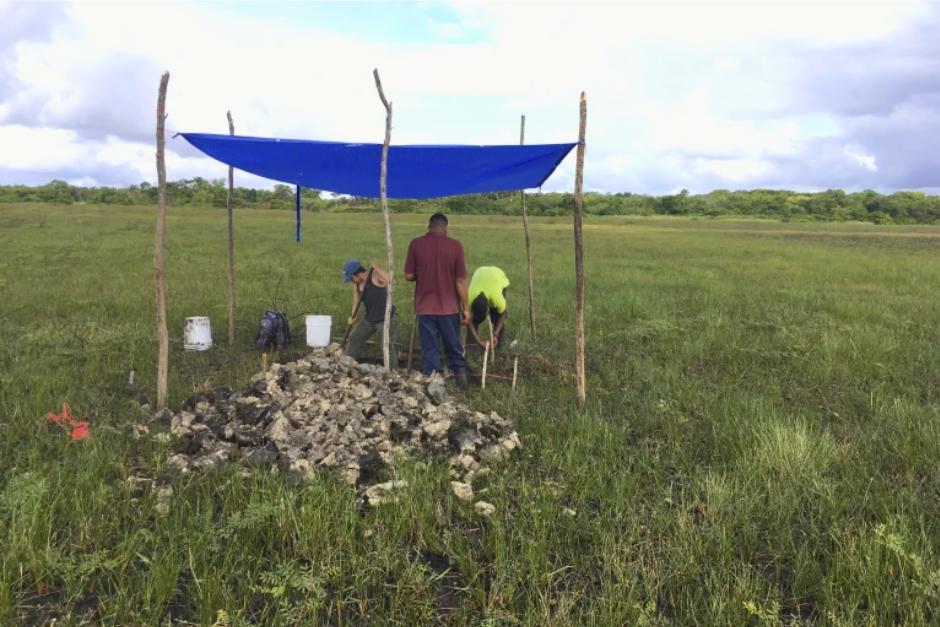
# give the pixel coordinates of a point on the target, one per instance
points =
(830, 205)
(195, 192)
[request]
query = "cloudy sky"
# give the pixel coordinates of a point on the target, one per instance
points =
(698, 96)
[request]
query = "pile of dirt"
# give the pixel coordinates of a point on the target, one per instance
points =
(326, 412)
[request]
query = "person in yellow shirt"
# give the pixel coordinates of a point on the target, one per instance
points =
(487, 296)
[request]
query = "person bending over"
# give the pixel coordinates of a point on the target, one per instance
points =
(487, 295)
(370, 288)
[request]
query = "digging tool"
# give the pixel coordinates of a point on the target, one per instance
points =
(489, 324)
(350, 326)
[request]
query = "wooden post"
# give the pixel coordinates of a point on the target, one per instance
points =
(163, 354)
(231, 244)
(515, 372)
(486, 355)
(411, 344)
(528, 240)
(383, 193)
(579, 256)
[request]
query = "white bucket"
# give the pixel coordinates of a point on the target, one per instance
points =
(197, 334)
(318, 330)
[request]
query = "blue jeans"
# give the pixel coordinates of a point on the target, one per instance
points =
(433, 330)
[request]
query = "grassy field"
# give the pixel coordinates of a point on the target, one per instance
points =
(760, 444)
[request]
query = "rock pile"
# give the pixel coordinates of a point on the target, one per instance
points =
(328, 412)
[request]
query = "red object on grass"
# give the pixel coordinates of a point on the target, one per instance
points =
(79, 427)
(80, 432)
(60, 418)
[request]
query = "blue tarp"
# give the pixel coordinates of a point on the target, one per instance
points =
(413, 171)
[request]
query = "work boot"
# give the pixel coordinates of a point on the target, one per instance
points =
(460, 378)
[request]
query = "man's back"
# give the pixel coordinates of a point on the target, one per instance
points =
(437, 261)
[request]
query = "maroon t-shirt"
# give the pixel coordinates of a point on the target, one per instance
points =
(437, 262)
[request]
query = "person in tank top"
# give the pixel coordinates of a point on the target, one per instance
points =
(370, 291)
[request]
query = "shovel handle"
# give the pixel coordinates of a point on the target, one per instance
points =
(350, 326)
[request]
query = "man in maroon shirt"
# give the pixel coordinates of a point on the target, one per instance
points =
(436, 264)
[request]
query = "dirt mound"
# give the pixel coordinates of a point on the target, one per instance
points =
(328, 412)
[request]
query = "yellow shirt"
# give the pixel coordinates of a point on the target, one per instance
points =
(489, 281)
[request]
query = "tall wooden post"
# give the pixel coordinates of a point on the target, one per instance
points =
(579, 255)
(528, 241)
(163, 356)
(231, 243)
(383, 193)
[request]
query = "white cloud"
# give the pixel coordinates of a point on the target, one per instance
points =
(52, 149)
(691, 95)
(447, 30)
(37, 148)
(734, 170)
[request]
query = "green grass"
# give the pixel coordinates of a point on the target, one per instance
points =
(759, 446)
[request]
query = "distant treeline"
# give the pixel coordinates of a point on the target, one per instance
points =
(830, 205)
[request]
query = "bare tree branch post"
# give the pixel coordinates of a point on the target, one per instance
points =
(579, 255)
(528, 240)
(231, 243)
(411, 344)
(486, 357)
(383, 193)
(163, 354)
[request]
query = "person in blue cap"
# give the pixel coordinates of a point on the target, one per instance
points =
(370, 289)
